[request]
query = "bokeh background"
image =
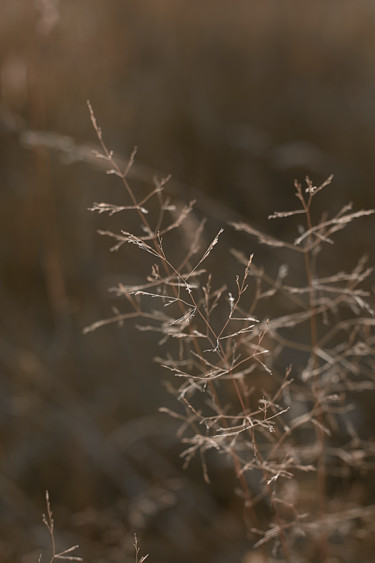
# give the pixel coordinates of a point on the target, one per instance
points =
(235, 100)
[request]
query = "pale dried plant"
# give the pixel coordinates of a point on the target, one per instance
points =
(336, 357)
(138, 558)
(66, 554)
(217, 348)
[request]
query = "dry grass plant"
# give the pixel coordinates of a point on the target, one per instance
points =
(66, 554)
(284, 426)
(138, 558)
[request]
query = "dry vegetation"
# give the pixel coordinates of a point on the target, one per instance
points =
(235, 104)
(272, 424)
(66, 554)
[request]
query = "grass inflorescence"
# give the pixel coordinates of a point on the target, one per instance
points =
(265, 367)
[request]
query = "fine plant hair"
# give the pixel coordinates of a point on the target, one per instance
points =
(264, 366)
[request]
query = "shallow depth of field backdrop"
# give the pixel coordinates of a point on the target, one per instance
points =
(235, 100)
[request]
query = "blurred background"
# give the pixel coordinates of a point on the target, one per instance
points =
(235, 100)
